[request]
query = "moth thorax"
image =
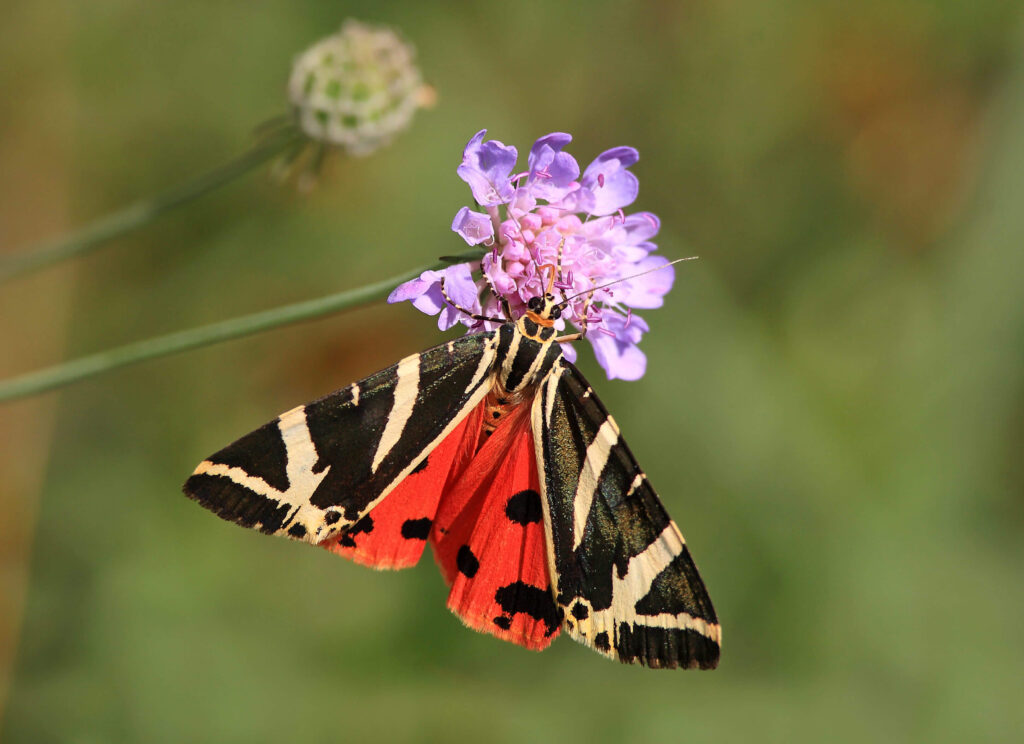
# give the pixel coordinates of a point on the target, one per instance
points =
(524, 361)
(531, 328)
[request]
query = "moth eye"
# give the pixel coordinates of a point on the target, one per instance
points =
(556, 312)
(534, 303)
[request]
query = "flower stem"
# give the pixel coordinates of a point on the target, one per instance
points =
(142, 212)
(153, 348)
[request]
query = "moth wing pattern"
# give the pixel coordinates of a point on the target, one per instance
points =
(623, 575)
(315, 471)
(393, 534)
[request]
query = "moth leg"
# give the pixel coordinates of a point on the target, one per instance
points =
(570, 337)
(581, 334)
(460, 308)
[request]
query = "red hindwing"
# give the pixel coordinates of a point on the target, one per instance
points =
(482, 512)
(488, 538)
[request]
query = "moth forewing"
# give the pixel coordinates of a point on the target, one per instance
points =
(317, 469)
(622, 573)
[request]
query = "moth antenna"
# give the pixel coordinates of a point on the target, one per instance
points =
(624, 279)
(461, 309)
(503, 301)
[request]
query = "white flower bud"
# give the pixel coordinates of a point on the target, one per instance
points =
(357, 88)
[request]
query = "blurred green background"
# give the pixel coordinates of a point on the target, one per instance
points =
(833, 413)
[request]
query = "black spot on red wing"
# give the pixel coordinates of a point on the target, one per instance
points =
(416, 529)
(503, 622)
(365, 524)
(297, 530)
(601, 641)
(530, 600)
(332, 517)
(524, 507)
(580, 611)
(466, 562)
(421, 466)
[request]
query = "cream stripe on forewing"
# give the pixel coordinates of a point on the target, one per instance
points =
(596, 458)
(254, 483)
(551, 389)
(540, 419)
(486, 362)
(299, 449)
(406, 390)
(641, 571)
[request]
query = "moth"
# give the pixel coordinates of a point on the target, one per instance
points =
(495, 449)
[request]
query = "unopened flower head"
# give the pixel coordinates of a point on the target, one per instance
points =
(550, 214)
(357, 88)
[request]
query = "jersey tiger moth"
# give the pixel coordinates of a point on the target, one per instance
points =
(495, 449)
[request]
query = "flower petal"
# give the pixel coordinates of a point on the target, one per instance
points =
(486, 167)
(425, 293)
(618, 354)
(552, 171)
(474, 227)
(613, 186)
(647, 291)
(641, 226)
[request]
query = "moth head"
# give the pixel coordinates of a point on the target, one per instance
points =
(544, 307)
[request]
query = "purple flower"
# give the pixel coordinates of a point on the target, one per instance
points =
(554, 216)
(486, 167)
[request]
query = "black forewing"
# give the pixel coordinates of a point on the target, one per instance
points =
(625, 578)
(317, 469)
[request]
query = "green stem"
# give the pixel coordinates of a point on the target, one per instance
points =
(122, 356)
(141, 212)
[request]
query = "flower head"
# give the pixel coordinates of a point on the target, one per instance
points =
(357, 88)
(553, 216)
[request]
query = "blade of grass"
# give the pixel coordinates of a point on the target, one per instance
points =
(194, 338)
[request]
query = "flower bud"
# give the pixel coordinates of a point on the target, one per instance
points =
(357, 88)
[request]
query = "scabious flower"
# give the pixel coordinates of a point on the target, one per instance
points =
(550, 214)
(357, 88)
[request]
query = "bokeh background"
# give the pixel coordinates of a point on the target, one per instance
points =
(833, 413)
